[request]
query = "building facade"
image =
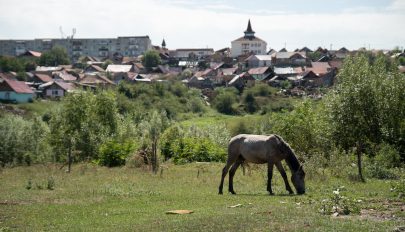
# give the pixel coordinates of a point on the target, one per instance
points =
(248, 44)
(103, 48)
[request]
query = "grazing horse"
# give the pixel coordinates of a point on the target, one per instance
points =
(262, 149)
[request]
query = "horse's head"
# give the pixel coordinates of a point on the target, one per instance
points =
(298, 181)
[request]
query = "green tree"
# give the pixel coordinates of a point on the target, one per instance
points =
(151, 131)
(85, 121)
(367, 107)
(54, 57)
(151, 59)
(8, 64)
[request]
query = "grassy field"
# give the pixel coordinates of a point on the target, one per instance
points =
(93, 198)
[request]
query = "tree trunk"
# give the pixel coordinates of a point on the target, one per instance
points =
(154, 157)
(359, 163)
(70, 156)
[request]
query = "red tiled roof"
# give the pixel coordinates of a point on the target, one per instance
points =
(336, 63)
(18, 86)
(34, 53)
(95, 79)
(66, 86)
(257, 71)
(43, 77)
(319, 68)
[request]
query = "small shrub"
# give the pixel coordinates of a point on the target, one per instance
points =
(378, 171)
(135, 161)
(50, 184)
(113, 153)
(28, 186)
(387, 156)
(38, 186)
(337, 204)
(398, 189)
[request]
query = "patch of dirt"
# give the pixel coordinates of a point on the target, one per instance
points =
(6, 202)
(388, 211)
(12, 110)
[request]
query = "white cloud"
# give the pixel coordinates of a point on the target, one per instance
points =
(193, 26)
(397, 5)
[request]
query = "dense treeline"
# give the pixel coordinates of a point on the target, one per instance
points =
(362, 118)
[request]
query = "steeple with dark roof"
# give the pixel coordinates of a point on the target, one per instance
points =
(249, 33)
(163, 43)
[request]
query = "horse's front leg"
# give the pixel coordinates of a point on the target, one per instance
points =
(269, 176)
(284, 175)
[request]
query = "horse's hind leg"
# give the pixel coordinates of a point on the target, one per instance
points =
(284, 175)
(224, 172)
(234, 167)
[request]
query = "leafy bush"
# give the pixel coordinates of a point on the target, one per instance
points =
(188, 150)
(398, 188)
(387, 156)
(241, 126)
(305, 128)
(225, 99)
(113, 153)
(23, 141)
(376, 170)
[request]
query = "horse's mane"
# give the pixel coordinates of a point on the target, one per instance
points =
(291, 159)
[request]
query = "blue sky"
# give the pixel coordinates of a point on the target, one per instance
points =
(213, 23)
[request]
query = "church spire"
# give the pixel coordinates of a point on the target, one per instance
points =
(163, 43)
(249, 33)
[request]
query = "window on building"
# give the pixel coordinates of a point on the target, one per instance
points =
(7, 95)
(55, 92)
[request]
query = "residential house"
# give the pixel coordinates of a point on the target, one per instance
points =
(29, 53)
(248, 44)
(309, 79)
(56, 89)
(305, 50)
(192, 53)
(41, 78)
(283, 72)
(324, 71)
(271, 51)
(261, 73)
(96, 80)
(64, 76)
(15, 91)
(200, 82)
(241, 81)
(289, 59)
(165, 69)
(254, 61)
(119, 72)
(93, 69)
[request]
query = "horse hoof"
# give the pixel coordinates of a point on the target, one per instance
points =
(232, 192)
(271, 193)
(220, 193)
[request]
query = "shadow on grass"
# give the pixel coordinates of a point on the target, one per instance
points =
(264, 194)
